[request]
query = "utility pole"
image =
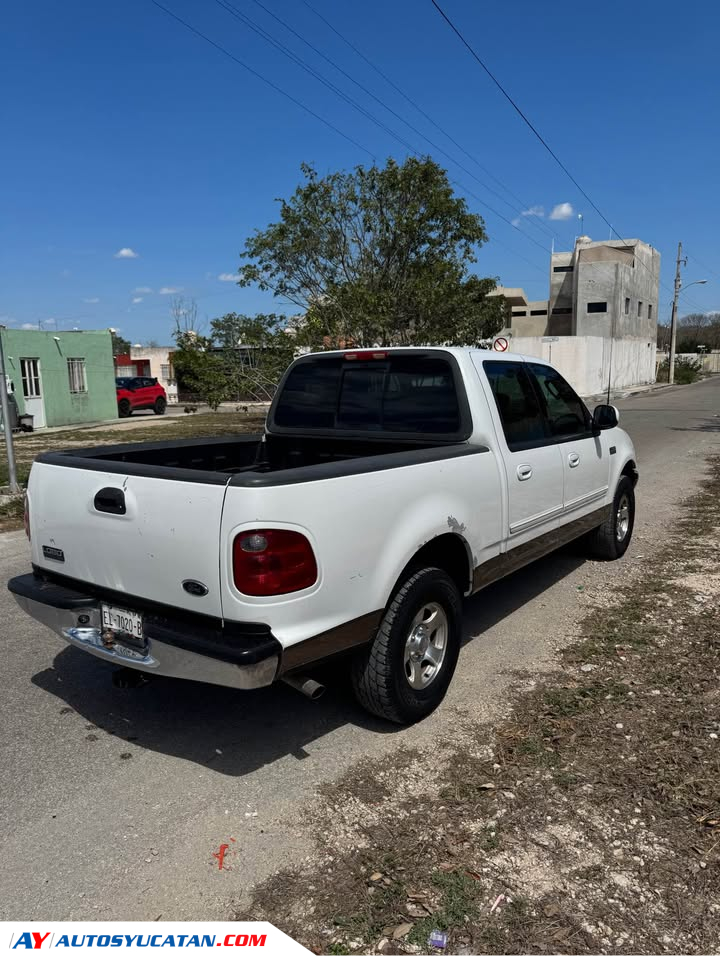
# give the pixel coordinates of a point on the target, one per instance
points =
(673, 318)
(5, 406)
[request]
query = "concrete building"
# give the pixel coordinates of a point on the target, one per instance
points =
(525, 316)
(599, 324)
(149, 362)
(61, 378)
(608, 288)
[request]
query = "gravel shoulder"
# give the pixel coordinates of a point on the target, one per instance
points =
(587, 820)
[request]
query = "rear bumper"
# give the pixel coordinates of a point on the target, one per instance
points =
(243, 656)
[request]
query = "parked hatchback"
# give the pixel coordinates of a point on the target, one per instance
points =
(139, 393)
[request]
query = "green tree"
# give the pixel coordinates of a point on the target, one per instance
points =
(199, 369)
(377, 255)
(119, 344)
(256, 350)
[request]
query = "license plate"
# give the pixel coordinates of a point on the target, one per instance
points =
(122, 621)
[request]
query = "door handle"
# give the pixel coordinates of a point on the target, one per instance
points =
(524, 471)
(573, 459)
(110, 500)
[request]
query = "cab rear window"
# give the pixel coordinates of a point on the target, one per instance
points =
(400, 394)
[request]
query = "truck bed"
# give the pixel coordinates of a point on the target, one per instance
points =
(253, 459)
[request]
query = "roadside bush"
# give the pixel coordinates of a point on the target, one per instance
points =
(686, 371)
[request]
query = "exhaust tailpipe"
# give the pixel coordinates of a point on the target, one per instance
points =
(309, 688)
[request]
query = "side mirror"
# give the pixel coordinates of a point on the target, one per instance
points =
(605, 416)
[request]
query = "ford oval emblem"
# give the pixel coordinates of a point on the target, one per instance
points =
(195, 588)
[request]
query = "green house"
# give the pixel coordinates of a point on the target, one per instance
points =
(61, 378)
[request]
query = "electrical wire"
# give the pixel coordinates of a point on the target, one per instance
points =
(264, 79)
(398, 116)
(703, 265)
(532, 127)
(303, 64)
(336, 129)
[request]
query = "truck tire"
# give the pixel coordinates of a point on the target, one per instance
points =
(124, 408)
(611, 539)
(160, 405)
(405, 672)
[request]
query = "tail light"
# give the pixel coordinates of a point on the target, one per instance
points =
(267, 563)
(26, 517)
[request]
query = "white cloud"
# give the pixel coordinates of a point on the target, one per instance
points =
(142, 290)
(31, 326)
(515, 222)
(91, 299)
(229, 277)
(535, 211)
(166, 290)
(562, 211)
(126, 253)
(137, 299)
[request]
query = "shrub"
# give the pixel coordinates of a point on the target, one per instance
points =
(686, 370)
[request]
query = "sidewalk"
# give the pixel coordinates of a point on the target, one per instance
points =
(639, 390)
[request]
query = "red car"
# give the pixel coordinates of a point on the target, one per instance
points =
(139, 393)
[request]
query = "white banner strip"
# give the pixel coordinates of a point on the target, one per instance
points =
(192, 939)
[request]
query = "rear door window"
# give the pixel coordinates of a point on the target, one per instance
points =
(567, 415)
(407, 394)
(517, 403)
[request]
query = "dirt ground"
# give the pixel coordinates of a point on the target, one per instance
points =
(136, 429)
(587, 821)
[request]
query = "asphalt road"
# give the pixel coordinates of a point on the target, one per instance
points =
(113, 802)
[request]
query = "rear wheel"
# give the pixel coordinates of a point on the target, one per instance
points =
(160, 405)
(406, 671)
(611, 539)
(124, 408)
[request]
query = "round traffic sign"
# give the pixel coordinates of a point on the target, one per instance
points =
(500, 344)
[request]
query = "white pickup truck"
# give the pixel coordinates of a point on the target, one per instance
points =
(388, 485)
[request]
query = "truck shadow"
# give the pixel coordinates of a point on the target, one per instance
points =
(236, 733)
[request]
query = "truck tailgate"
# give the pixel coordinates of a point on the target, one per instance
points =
(140, 535)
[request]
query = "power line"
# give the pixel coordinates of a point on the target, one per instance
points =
(517, 109)
(317, 116)
(264, 79)
(366, 113)
(303, 64)
(422, 112)
(535, 131)
(703, 265)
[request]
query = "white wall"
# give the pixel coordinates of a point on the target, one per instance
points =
(159, 357)
(586, 361)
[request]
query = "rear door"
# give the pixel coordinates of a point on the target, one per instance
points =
(141, 535)
(532, 459)
(585, 458)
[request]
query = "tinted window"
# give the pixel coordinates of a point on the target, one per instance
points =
(566, 412)
(517, 403)
(123, 382)
(408, 394)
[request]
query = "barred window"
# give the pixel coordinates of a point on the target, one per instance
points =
(76, 375)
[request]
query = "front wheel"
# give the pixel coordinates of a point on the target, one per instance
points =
(611, 539)
(404, 674)
(160, 405)
(124, 408)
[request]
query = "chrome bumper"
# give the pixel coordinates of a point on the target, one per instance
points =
(81, 626)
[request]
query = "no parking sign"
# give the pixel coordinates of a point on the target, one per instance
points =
(501, 344)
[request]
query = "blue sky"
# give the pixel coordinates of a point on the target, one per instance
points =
(124, 131)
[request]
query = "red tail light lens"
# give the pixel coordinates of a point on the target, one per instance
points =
(267, 563)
